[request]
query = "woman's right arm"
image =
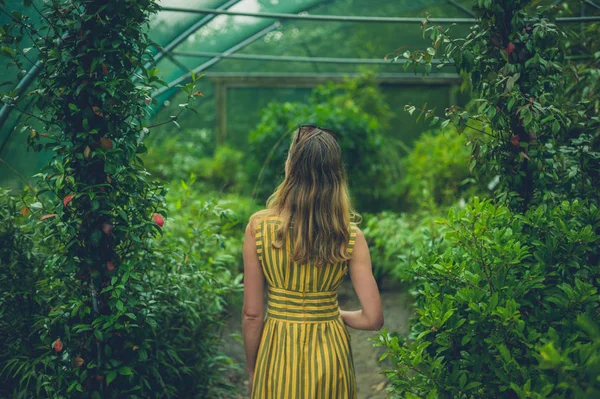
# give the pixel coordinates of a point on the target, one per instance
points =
(370, 316)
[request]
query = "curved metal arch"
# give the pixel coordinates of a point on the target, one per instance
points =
(34, 71)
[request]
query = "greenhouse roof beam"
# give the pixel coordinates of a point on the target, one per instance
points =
(21, 87)
(591, 3)
(350, 18)
(284, 58)
(307, 17)
(190, 31)
(213, 61)
(260, 79)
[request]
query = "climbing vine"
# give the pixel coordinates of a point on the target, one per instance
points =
(111, 282)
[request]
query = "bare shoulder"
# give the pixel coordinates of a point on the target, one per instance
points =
(359, 232)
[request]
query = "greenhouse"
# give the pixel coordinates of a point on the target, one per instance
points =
(176, 175)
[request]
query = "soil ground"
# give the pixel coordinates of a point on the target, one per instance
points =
(371, 384)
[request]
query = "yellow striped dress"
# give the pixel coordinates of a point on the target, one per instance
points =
(304, 351)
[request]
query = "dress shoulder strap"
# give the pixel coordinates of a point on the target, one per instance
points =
(259, 236)
(352, 239)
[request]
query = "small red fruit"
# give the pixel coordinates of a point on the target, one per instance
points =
(110, 266)
(510, 48)
(57, 345)
(105, 143)
(515, 140)
(68, 199)
(78, 361)
(97, 111)
(107, 228)
(159, 219)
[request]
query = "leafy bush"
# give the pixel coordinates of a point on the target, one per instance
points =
(192, 153)
(506, 287)
(175, 157)
(373, 182)
(396, 241)
(175, 342)
(437, 169)
(505, 307)
(187, 204)
(20, 269)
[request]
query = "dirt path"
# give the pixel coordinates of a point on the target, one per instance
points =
(371, 384)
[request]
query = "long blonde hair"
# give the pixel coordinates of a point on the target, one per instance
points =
(313, 200)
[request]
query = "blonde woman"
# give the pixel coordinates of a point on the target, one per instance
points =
(302, 246)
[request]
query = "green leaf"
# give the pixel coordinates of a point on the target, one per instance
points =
(110, 377)
(125, 371)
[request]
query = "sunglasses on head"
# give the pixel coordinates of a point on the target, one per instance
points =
(303, 129)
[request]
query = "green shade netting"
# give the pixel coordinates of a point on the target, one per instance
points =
(195, 32)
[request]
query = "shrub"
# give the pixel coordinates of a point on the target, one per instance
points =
(192, 153)
(20, 269)
(505, 287)
(504, 309)
(175, 157)
(396, 241)
(436, 170)
(373, 182)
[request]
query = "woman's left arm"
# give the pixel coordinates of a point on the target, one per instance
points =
(253, 309)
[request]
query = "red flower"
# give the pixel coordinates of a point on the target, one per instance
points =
(515, 140)
(68, 199)
(510, 48)
(107, 228)
(57, 345)
(48, 216)
(110, 266)
(159, 219)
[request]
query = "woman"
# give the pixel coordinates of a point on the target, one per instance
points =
(303, 244)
